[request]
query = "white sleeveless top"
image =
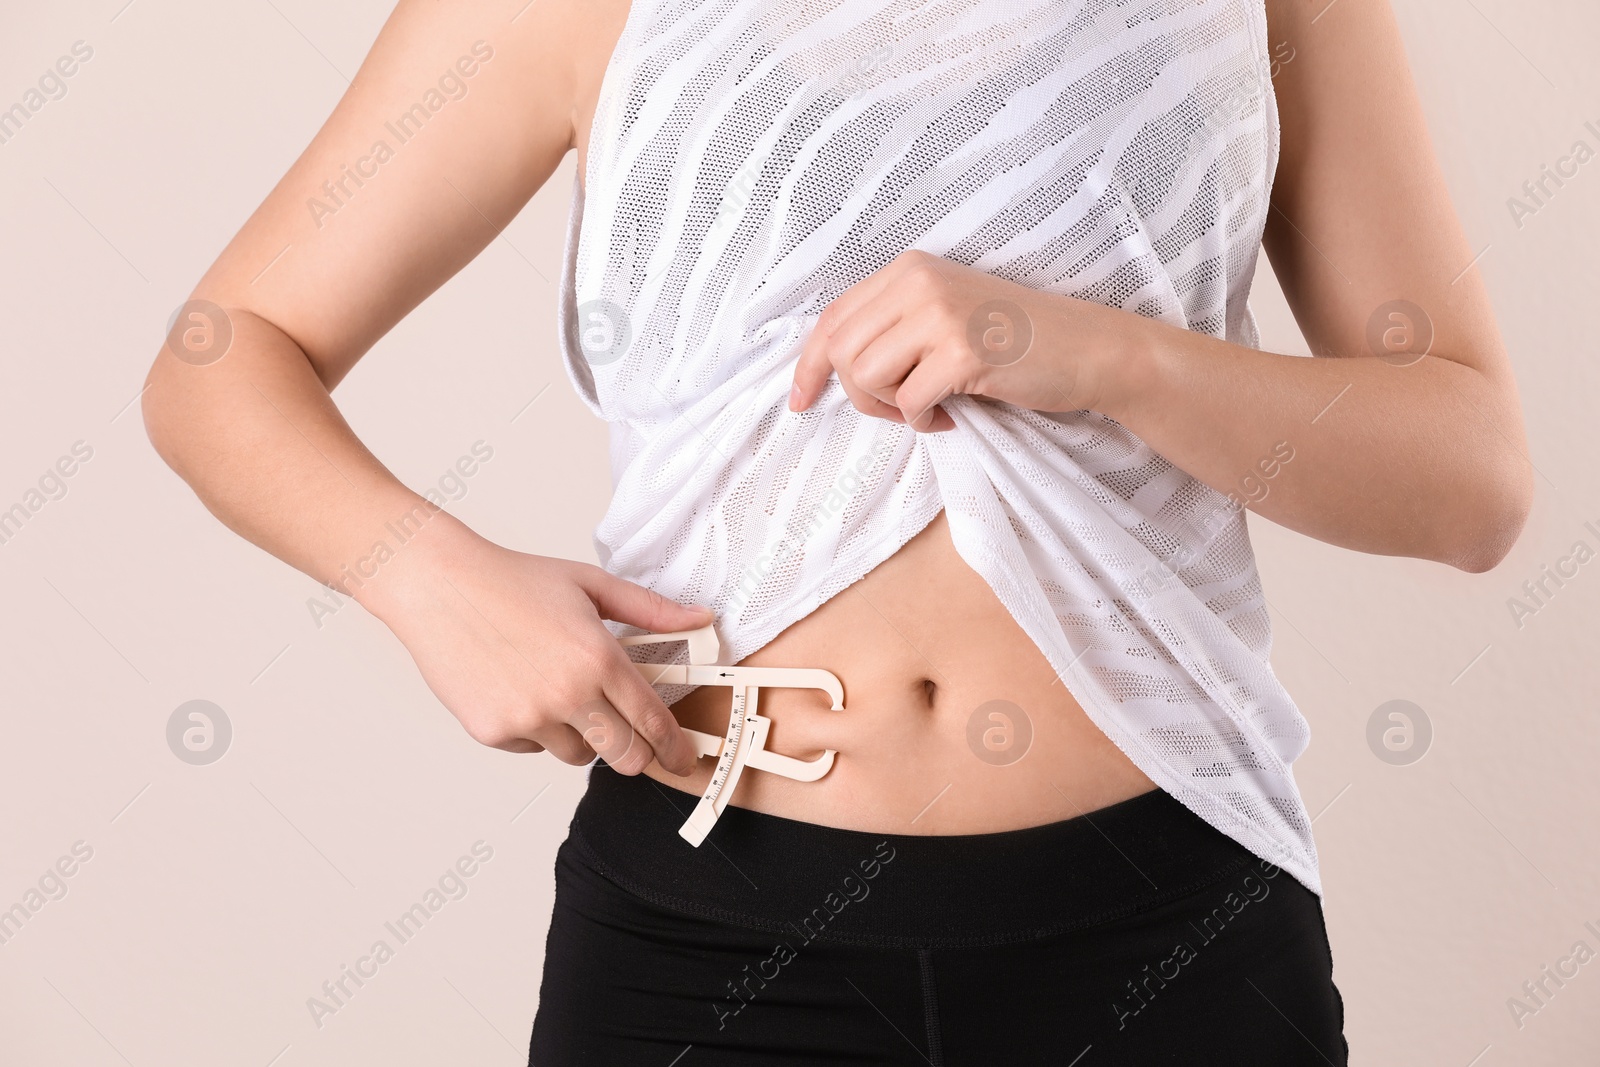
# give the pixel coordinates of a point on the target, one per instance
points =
(751, 159)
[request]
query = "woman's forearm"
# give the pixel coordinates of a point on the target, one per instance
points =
(259, 439)
(1426, 459)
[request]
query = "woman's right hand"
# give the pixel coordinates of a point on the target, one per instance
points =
(514, 646)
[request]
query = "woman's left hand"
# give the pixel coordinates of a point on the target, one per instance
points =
(924, 328)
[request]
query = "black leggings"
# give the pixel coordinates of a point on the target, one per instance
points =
(1134, 935)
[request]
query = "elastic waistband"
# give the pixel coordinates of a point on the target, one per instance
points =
(771, 873)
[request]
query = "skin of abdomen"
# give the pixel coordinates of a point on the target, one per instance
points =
(954, 722)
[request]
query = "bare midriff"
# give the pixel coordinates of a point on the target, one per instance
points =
(954, 721)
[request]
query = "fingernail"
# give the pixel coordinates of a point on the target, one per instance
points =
(794, 397)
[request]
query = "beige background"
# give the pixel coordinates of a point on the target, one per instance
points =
(219, 898)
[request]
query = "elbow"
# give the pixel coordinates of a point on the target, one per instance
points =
(162, 417)
(1504, 504)
(156, 422)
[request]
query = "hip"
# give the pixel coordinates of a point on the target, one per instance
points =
(1135, 935)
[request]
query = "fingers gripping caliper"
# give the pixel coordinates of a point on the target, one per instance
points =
(745, 743)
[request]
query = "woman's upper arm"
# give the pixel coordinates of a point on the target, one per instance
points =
(1361, 214)
(456, 117)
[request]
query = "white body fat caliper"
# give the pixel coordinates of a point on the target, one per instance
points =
(745, 743)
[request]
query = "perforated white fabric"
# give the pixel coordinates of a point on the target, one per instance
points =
(749, 161)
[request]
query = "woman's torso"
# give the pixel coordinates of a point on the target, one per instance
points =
(1116, 151)
(954, 722)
